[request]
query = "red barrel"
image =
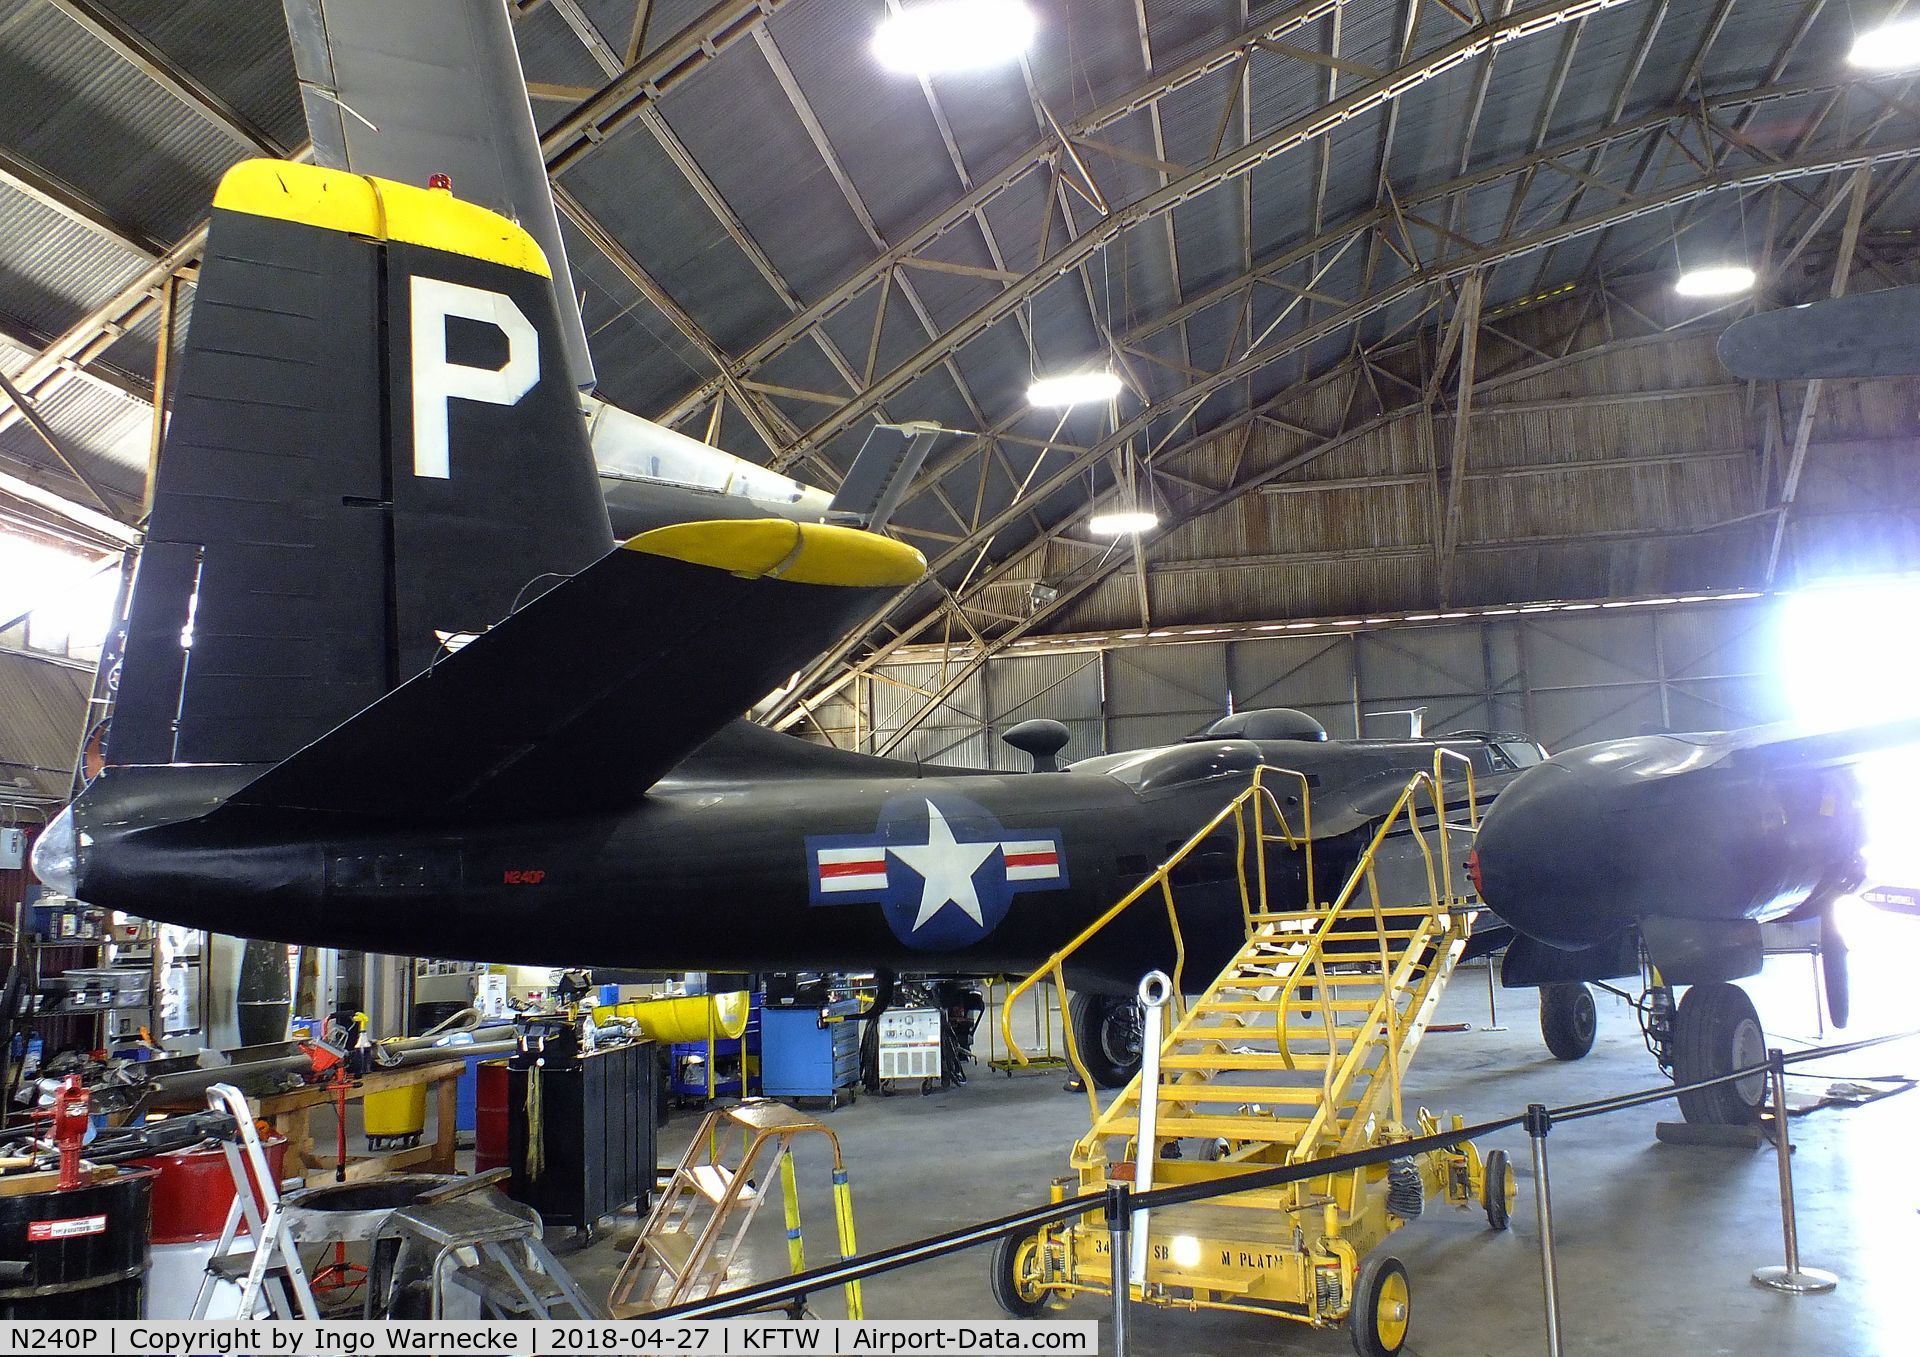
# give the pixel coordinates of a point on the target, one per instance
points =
(194, 1189)
(490, 1116)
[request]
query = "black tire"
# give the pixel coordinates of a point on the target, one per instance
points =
(1382, 1307)
(1010, 1290)
(1568, 1020)
(1496, 1178)
(1106, 1031)
(1715, 1032)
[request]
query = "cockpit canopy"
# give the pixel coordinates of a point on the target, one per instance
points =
(1265, 723)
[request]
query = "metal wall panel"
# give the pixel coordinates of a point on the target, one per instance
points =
(1567, 677)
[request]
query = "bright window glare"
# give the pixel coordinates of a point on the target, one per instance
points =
(1074, 388)
(1721, 280)
(953, 35)
(70, 595)
(1848, 656)
(1890, 47)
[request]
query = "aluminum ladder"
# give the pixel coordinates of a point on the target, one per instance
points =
(269, 1264)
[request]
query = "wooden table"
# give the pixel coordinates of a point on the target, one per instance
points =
(290, 1114)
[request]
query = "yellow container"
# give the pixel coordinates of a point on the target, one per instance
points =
(396, 1111)
(687, 1018)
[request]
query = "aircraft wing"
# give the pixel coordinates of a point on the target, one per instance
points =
(1795, 746)
(1869, 334)
(584, 697)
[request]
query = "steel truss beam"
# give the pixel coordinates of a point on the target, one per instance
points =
(835, 669)
(1363, 98)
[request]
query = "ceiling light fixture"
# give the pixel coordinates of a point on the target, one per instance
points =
(953, 35)
(1123, 523)
(1890, 47)
(1074, 388)
(1717, 280)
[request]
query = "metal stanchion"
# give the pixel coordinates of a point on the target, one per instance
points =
(1155, 990)
(1493, 1011)
(1790, 1277)
(1538, 1123)
(1119, 1233)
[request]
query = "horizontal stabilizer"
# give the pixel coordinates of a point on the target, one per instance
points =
(587, 695)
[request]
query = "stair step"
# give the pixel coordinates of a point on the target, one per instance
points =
(1240, 1093)
(674, 1249)
(1268, 1005)
(714, 1181)
(234, 1266)
(1245, 1126)
(1243, 1060)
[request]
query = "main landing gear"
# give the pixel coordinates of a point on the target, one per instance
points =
(1110, 1028)
(1713, 1030)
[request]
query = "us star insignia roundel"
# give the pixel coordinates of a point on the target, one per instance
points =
(943, 870)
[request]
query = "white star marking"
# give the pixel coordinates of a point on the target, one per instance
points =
(946, 868)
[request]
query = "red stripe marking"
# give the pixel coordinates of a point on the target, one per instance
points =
(869, 868)
(1033, 859)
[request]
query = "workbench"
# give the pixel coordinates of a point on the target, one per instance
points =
(291, 1114)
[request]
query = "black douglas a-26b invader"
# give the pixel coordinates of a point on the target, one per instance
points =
(389, 682)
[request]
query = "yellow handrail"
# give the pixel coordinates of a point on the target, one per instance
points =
(1261, 797)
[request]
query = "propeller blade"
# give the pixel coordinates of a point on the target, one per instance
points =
(1833, 966)
(1869, 334)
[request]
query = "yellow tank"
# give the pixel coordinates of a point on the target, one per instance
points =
(396, 1113)
(686, 1018)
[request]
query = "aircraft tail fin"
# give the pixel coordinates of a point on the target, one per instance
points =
(587, 696)
(375, 443)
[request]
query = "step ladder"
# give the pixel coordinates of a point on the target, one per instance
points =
(263, 1260)
(1293, 1053)
(487, 1246)
(688, 1246)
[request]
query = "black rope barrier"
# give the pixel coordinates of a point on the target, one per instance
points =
(797, 1287)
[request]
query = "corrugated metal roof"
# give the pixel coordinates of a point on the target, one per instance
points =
(43, 707)
(71, 107)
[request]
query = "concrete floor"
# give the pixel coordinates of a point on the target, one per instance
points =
(1655, 1242)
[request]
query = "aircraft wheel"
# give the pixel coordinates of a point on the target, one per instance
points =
(1382, 1307)
(1015, 1277)
(1107, 1030)
(1497, 1190)
(1568, 1020)
(1716, 1032)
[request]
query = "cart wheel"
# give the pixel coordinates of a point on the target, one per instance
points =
(1497, 1189)
(1382, 1307)
(1015, 1277)
(926, 1087)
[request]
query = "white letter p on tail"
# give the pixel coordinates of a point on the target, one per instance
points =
(437, 381)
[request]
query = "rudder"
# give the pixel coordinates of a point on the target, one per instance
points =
(374, 443)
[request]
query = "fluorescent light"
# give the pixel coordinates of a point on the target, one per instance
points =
(1074, 388)
(1123, 522)
(1717, 280)
(1888, 47)
(953, 35)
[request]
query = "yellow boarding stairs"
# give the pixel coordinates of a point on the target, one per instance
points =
(686, 1249)
(1295, 1052)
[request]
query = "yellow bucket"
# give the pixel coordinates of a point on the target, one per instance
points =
(396, 1111)
(686, 1018)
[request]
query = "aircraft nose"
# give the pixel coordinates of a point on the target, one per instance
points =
(56, 854)
(1541, 861)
